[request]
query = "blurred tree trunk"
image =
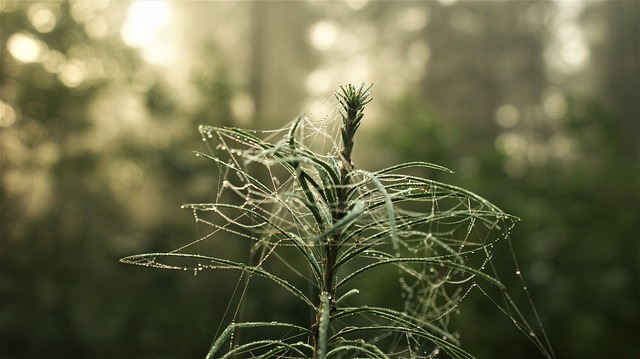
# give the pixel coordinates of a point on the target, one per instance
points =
(484, 55)
(620, 60)
(278, 62)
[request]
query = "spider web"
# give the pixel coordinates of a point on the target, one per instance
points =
(429, 243)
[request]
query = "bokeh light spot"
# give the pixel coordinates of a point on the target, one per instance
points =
(569, 50)
(97, 28)
(447, 2)
(507, 116)
(53, 62)
(554, 102)
(7, 115)
(144, 20)
(42, 17)
(323, 35)
(319, 81)
(413, 19)
(357, 4)
(25, 47)
(243, 107)
(73, 73)
(511, 144)
(146, 28)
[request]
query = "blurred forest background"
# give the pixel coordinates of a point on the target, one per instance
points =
(534, 104)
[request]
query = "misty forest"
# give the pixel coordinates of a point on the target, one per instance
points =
(120, 123)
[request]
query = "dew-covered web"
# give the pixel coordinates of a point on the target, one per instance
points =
(409, 249)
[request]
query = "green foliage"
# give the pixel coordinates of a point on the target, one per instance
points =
(573, 245)
(331, 225)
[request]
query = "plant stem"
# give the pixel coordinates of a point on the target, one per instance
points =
(352, 103)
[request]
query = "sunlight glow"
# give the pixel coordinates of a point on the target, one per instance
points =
(144, 20)
(569, 50)
(323, 35)
(146, 28)
(25, 47)
(574, 50)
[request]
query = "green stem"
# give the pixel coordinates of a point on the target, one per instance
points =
(352, 101)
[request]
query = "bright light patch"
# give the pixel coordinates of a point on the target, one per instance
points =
(7, 115)
(323, 35)
(145, 28)
(575, 52)
(53, 62)
(447, 2)
(243, 107)
(96, 28)
(162, 53)
(569, 50)
(144, 20)
(507, 116)
(41, 17)
(511, 144)
(319, 82)
(26, 48)
(73, 73)
(413, 19)
(356, 4)
(81, 11)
